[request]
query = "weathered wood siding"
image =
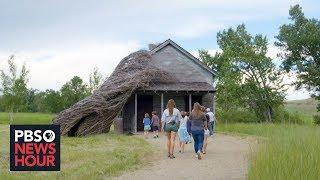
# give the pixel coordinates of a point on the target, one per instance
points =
(128, 115)
(208, 101)
(157, 104)
(185, 69)
(178, 98)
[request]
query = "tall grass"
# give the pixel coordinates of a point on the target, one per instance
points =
(288, 151)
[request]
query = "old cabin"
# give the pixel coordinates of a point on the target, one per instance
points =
(196, 84)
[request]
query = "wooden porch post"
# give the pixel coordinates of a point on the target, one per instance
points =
(135, 113)
(161, 105)
(214, 103)
(190, 102)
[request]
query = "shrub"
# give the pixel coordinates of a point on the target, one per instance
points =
(316, 119)
(281, 115)
(235, 116)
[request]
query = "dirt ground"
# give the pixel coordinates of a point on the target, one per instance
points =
(226, 158)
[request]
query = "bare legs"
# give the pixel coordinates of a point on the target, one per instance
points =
(205, 144)
(172, 141)
(146, 134)
(171, 136)
(156, 134)
(182, 144)
(168, 142)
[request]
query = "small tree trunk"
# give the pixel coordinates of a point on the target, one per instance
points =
(269, 114)
(11, 117)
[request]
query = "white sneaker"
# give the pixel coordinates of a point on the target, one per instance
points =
(199, 155)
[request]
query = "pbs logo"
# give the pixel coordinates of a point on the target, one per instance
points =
(35, 136)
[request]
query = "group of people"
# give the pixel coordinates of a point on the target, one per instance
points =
(199, 125)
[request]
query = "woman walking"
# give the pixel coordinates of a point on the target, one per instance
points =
(182, 132)
(198, 123)
(170, 119)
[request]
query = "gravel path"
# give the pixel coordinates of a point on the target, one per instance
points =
(226, 158)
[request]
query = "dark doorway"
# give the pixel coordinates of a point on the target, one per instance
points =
(186, 103)
(145, 105)
(194, 99)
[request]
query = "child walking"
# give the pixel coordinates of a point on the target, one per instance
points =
(206, 132)
(155, 121)
(183, 132)
(205, 141)
(147, 124)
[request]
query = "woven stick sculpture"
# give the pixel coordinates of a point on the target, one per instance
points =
(95, 114)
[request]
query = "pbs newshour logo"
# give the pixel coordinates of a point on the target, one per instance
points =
(34, 148)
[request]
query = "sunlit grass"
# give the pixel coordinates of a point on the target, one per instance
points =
(93, 157)
(25, 118)
(287, 152)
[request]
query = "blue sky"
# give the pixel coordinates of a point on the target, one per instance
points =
(59, 39)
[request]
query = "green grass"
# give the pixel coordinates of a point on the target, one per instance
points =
(26, 118)
(287, 152)
(93, 157)
(305, 108)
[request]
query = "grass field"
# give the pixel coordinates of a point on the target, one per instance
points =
(93, 157)
(287, 152)
(26, 118)
(305, 108)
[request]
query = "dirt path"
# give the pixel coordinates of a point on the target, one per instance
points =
(226, 158)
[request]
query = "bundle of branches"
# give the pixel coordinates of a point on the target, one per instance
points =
(95, 114)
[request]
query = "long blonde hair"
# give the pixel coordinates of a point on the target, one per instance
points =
(197, 110)
(171, 104)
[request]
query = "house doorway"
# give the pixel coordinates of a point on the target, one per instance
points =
(194, 99)
(144, 105)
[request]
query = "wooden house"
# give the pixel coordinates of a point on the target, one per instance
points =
(195, 84)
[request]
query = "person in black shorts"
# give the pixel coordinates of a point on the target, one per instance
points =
(155, 122)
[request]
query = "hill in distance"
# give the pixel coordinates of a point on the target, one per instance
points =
(305, 106)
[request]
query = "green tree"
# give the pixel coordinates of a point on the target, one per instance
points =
(228, 80)
(73, 91)
(50, 101)
(249, 77)
(300, 44)
(31, 100)
(14, 87)
(95, 79)
(2, 107)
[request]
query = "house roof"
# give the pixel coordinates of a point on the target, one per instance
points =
(185, 52)
(180, 86)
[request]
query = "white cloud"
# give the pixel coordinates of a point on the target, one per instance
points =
(293, 94)
(212, 52)
(196, 28)
(273, 51)
(51, 69)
